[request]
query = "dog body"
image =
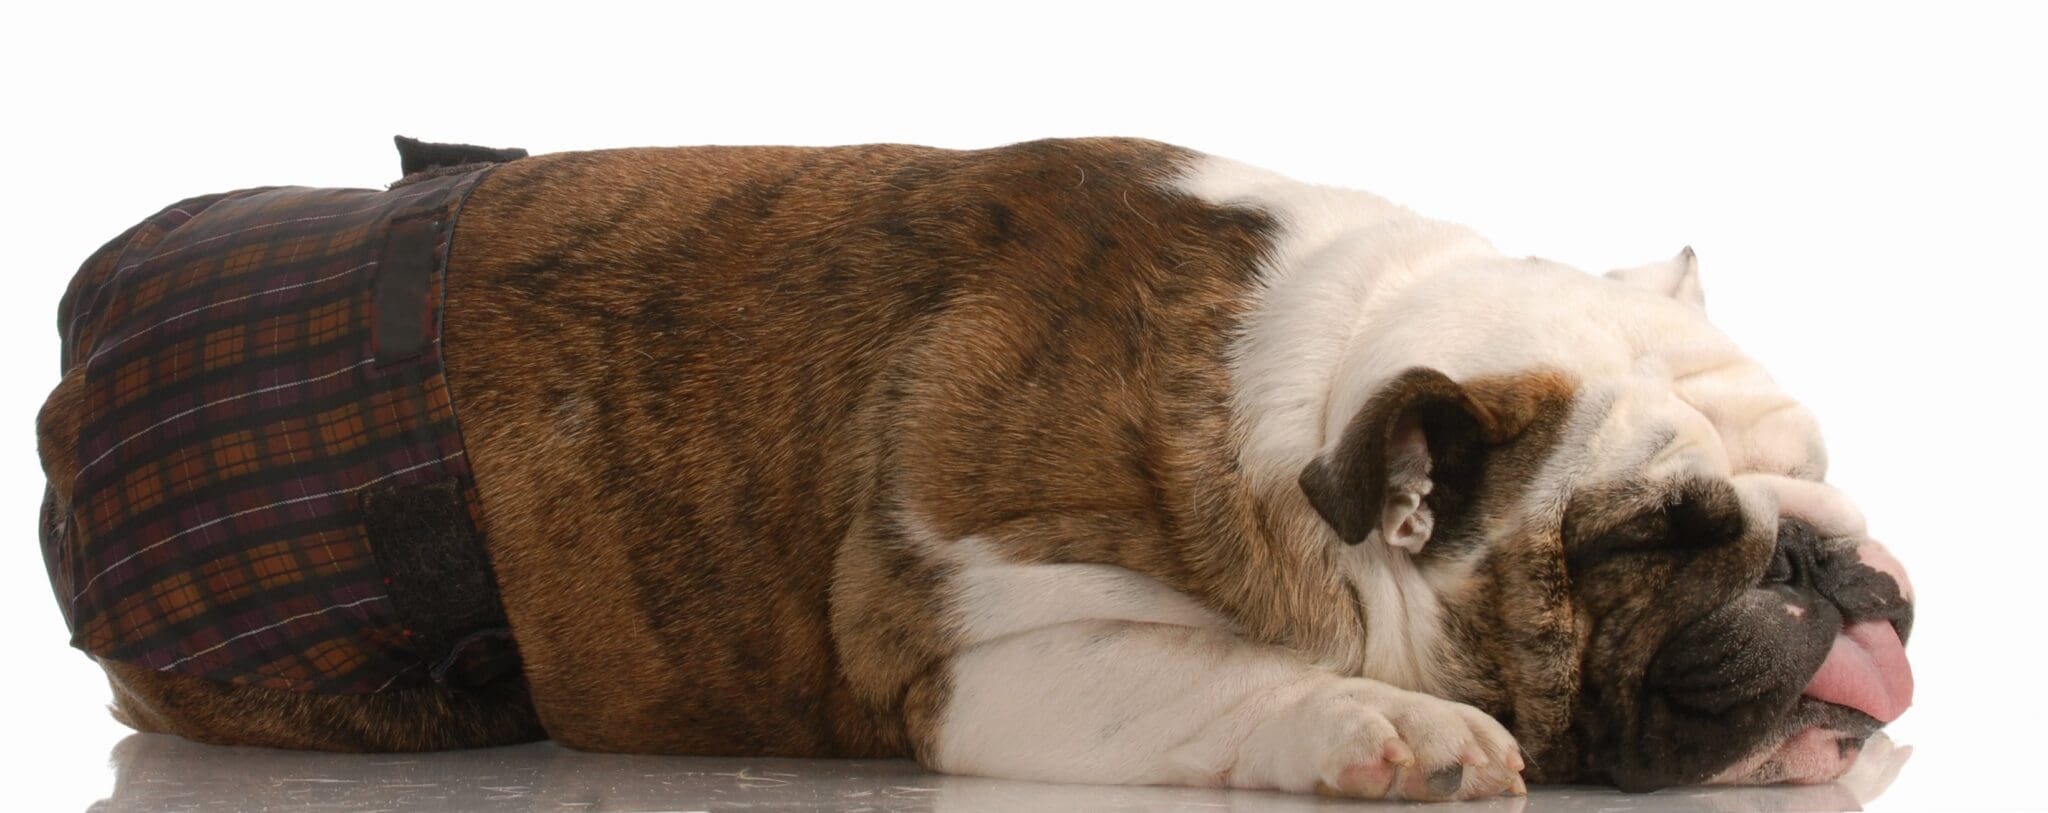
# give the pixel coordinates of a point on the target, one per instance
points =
(1106, 461)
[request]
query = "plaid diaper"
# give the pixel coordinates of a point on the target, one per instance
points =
(272, 487)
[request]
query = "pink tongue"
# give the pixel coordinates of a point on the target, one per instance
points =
(1866, 671)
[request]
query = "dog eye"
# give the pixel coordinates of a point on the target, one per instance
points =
(1781, 570)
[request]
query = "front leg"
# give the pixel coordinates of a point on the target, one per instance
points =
(1137, 702)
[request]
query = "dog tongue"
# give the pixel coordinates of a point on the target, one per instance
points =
(1866, 671)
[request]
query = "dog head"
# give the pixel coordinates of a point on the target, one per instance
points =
(1639, 565)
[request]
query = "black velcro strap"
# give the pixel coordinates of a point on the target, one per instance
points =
(405, 273)
(438, 573)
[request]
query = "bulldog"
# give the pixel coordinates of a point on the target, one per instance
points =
(1094, 461)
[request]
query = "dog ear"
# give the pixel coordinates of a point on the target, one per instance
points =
(1407, 459)
(1678, 278)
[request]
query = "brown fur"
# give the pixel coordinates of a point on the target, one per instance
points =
(1515, 622)
(413, 720)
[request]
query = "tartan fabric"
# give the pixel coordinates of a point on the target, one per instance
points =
(242, 395)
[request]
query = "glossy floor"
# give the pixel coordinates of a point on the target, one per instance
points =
(155, 773)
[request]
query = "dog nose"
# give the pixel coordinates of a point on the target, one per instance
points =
(1876, 557)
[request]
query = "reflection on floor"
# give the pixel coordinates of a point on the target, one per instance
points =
(154, 773)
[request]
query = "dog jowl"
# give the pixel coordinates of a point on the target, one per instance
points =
(1084, 460)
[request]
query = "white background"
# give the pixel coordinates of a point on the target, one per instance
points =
(1866, 188)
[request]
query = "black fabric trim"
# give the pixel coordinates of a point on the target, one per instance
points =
(415, 155)
(405, 272)
(439, 574)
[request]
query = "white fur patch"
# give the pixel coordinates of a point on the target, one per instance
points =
(1082, 672)
(993, 598)
(1337, 253)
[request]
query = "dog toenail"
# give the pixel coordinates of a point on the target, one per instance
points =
(1445, 781)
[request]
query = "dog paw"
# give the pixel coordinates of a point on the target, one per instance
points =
(1368, 740)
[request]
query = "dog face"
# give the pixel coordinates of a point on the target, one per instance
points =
(1643, 570)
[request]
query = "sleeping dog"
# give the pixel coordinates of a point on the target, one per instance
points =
(1090, 460)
